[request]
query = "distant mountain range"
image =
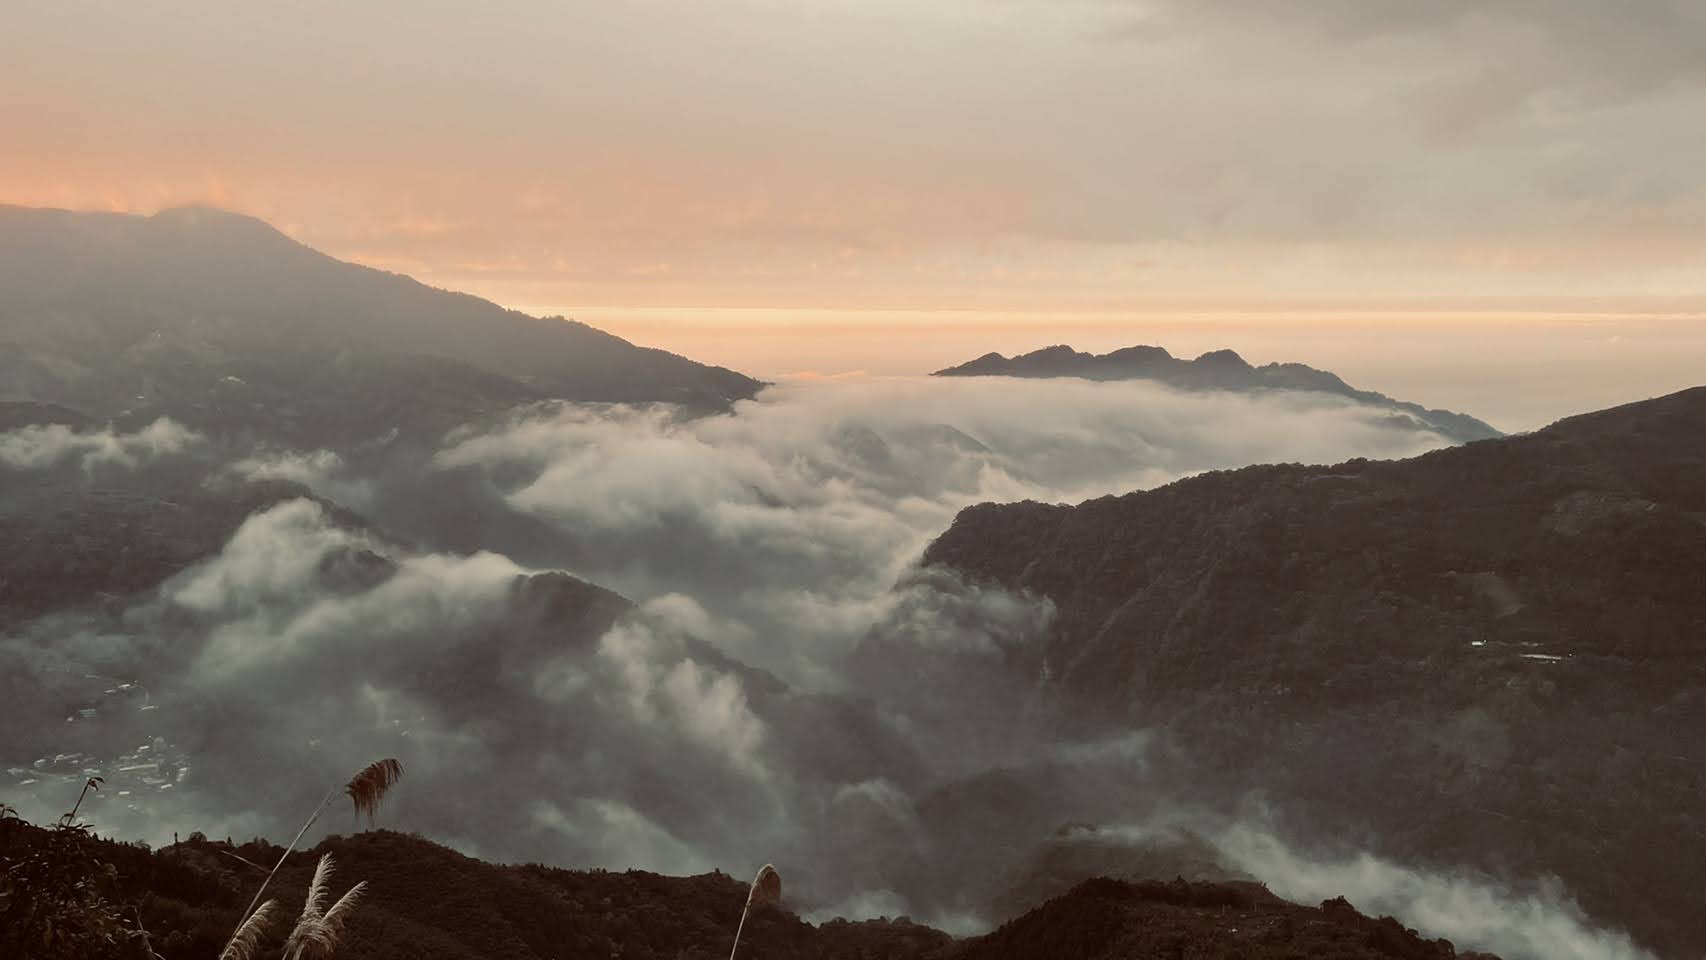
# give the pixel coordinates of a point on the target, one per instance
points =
(1216, 370)
(424, 900)
(227, 325)
(1492, 654)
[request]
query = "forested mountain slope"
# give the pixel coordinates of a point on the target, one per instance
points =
(225, 324)
(1493, 654)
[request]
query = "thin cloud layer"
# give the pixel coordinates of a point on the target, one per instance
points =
(45, 447)
(322, 470)
(1473, 912)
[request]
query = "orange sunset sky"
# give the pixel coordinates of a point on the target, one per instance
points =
(888, 186)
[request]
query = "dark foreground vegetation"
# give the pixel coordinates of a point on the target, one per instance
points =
(65, 893)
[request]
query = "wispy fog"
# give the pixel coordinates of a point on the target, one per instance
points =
(1471, 911)
(42, 447)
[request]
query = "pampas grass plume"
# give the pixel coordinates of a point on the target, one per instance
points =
(248, 936)
(318, 931)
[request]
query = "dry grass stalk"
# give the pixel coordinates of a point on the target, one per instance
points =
(248, 936)
(317, 932)
(766, 891)
(766, 888)
(318, 888)
(368, 788)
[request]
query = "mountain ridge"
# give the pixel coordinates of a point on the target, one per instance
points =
(1220, 369)
(221, 321)
(1428, 653)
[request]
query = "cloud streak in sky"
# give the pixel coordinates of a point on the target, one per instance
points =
(799, 156)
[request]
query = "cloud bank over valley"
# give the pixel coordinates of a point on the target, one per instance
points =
(626, 636)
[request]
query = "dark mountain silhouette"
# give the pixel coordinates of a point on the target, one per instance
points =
(1107, 919)
(23, 413)
(424, 900)
(1216, 370)
(226, 324)
(1489, 655)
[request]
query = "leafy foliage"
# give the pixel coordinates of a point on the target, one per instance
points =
(93, 783)
(59, 896)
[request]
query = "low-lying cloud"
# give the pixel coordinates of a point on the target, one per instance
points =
(1474, 912)
(795, 516)
(324, 471)
(785, 685)
(40, 447)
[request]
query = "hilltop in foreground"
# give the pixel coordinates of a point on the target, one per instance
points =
(427, 901)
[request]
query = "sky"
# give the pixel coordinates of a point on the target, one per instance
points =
(1061, 166)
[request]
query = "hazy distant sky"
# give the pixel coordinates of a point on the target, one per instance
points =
(1018, 156)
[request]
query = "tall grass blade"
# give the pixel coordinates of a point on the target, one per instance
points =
(766, 891)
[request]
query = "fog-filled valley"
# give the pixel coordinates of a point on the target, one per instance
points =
(832, 480)
(772, 670)
(675, 620)
(766, 666)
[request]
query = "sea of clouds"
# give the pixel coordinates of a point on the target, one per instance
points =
(762, 672)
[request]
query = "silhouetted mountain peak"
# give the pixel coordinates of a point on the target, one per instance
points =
(1055, 352)
(216, 221)
(118, 314)
(1226, 359)
(1220, 369)
(1142, 352)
